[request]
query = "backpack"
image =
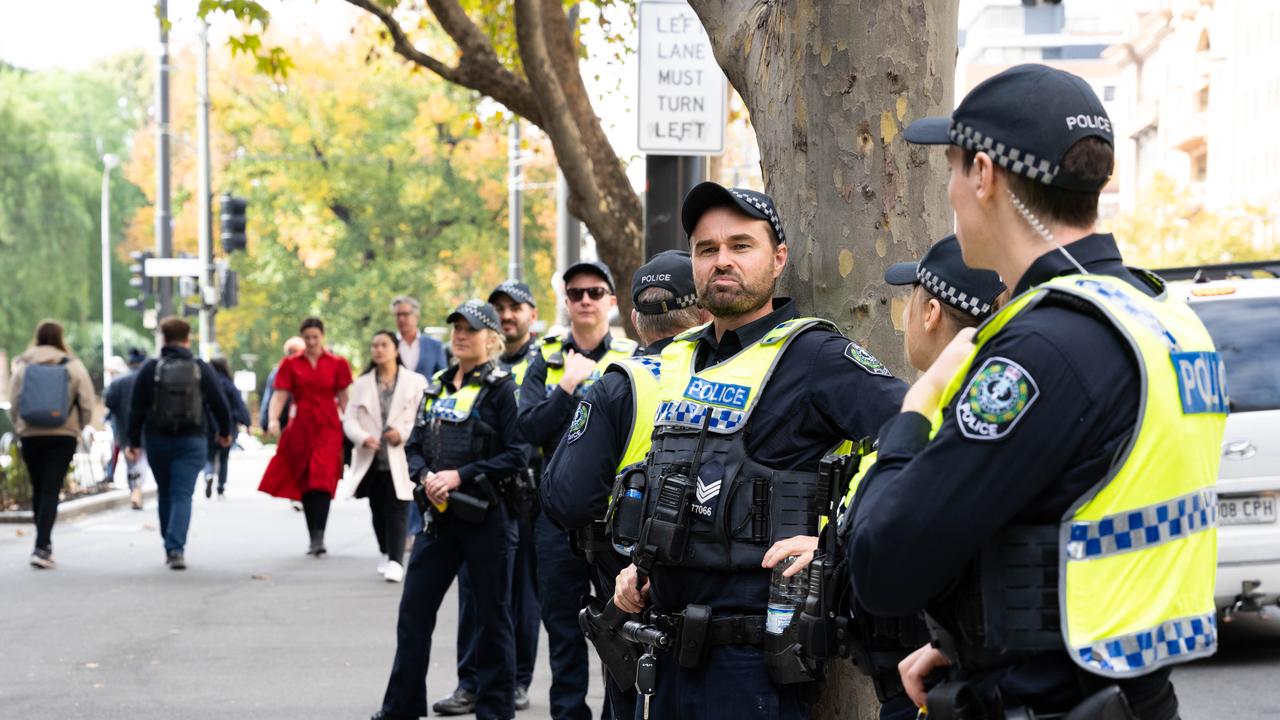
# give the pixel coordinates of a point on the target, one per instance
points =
(178, 405)
(46, 394)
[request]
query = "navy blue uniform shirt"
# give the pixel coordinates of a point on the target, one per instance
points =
(927, 507)
(215, 403)
(509, 360)
(497, 409)
(575, 488)
(544, 417)
(818, 397)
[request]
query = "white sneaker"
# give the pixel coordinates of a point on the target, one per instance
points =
(395, 572)
(382, 565)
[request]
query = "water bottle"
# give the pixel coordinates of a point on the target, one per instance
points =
(785, 595)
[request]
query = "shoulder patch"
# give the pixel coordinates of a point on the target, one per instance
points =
(578, 426)
(996, 398)
(865, 360)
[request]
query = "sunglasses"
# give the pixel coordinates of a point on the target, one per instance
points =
(595, 293)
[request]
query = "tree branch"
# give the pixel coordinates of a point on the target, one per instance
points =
(478, 65)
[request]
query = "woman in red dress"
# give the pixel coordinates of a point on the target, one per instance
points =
(308, 460)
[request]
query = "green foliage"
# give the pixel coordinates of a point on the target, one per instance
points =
(1171, 228)
(53, 127)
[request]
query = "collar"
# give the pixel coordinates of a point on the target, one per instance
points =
(521, 354)
(1097, 253)
(596, 352)
(176, 351)
(784, 309)
(475, 376)
(657, 346)
(416, 334)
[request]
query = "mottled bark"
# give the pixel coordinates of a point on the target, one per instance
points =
(830, 86)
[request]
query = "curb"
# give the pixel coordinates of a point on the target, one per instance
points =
(79, 507)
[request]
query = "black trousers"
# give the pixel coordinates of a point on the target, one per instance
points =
(47, 458)
(315, 506)
(388, 511)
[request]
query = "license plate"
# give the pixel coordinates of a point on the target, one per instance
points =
(1246, 510)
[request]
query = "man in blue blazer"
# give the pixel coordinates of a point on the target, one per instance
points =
(420, 353)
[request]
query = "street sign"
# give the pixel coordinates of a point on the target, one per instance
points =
(682, 89)
(172, 267)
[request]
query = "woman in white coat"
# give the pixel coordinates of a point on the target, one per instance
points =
(378, 420)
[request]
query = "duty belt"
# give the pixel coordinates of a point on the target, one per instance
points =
(725, 630)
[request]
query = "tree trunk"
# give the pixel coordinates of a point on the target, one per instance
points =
(830, 87)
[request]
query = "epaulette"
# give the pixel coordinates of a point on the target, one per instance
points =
(691, 332)
(496, 375)
(624, 345)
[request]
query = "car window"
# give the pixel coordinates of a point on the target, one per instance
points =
(1247, 334)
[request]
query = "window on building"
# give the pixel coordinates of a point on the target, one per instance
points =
(1108, 93)
(1200, 165)
(1202, 99)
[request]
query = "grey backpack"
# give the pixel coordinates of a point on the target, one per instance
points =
(46, 394)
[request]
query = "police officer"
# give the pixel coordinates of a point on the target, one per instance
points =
(559, 374)
(748, 405)
(615, 424)
(1046, 494)
(465, 445)
(517, 310)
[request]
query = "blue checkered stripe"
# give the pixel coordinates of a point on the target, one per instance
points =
(652, 363)
(1196, 635)
(1145, 527)
(446, 414)
(691, 415)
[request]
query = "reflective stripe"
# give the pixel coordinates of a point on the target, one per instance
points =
(691, 415)
(1144, 527)
(1182, 639)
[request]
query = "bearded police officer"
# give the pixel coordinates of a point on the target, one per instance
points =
(1046, 494)
(613, 422)
(559, 374)
(517, 310)
(462, 453)
(747, 406)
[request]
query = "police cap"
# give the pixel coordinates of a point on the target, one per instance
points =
(595, 267)
(943, 273)
(479, 315)
(517, 291)
(1026, 118)
(670, 270)
(707, 195)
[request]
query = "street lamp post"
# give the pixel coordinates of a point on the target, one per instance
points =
(109, 161)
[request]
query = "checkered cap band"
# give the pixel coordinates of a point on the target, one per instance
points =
(687, 414)
(950, 294)
(1168, 641)
(515, 292)
(1143, 528)
(1009, 158)
(774, 221)
(472, 309)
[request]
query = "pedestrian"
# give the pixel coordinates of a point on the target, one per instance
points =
(616, 425)
(176, 402)
(53, 397)
(293, 346)
(420, 353)
(378, 420)
(747, 407)
(559, 374)
(118, 396)
(1050, 480)
(464, 448)
(218, 464)
(517, 309)
(308, 461)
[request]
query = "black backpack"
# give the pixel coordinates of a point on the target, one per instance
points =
(178, 407)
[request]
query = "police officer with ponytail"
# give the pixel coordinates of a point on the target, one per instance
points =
(747, 407)
(612, 426)
(463, 452)
(1046, 495)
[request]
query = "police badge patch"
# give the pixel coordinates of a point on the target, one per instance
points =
(865, 360)
(581, 417)
(997, 396)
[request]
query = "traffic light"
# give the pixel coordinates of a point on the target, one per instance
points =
(233, 223)
(139, 281)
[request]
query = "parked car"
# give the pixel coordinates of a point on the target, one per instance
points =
(1243, 316)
